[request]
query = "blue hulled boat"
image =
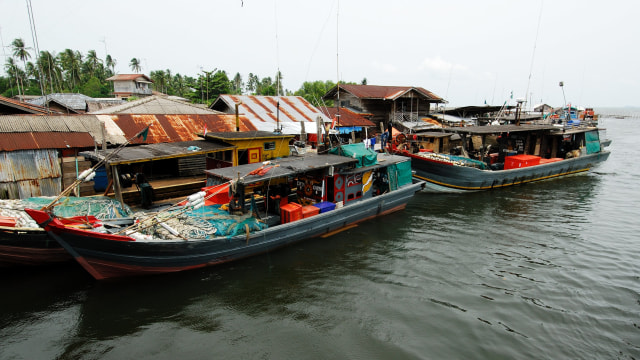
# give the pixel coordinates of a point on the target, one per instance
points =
(245, 210)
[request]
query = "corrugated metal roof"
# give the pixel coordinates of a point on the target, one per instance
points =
(381, 92)
(349, 118)
(64, 123)
(70, 100)
(176, 128)
(264, 112)
(125, 77)
(158, 151)
(19, 107)
(155, 105)
(44, 140)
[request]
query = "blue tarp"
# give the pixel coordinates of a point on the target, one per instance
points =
(349, 129)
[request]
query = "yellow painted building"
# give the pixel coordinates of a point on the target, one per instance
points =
(252, 146)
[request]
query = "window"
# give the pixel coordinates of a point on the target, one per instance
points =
(270, 145)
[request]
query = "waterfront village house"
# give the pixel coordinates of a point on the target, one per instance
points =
(286, 114)
(253, 146)
(64, 103)
(10, 106)
(128, 85)
(388, 104)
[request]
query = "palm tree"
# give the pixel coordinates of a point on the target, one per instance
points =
(71, 62)
(13, 71)
(92, 62)
(49, 66)
(111, 64)
(179, 84)
(21, 52)
(135, 65)
(159, 80)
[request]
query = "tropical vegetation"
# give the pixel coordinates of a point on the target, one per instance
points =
(75, 72)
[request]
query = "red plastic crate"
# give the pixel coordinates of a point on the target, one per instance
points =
(520, 161)
(309, 210)
(290, 212)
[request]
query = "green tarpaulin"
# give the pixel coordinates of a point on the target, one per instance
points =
(399, 174)
(366, 157)
(593, 142)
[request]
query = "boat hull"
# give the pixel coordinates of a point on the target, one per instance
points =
(109, 256)
(442, 176)
(29, 247)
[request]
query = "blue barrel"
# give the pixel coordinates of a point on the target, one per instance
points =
(100, 180)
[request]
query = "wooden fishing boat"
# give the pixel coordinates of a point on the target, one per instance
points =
(24, 243)
(247, 210)
(489, 157)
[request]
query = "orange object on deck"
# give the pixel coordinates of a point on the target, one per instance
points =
(290, 212)
(520, 161)
(309, 210)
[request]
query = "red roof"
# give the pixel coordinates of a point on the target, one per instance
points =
(383, 92)
(21, 107)
(349, 118)
(177, 128)
(44, 140)
(125, 77)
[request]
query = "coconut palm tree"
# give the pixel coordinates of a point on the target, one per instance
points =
(180, 85)
(49, 66)
(159, 80)
(135, 65)
(71, 62)
(111, 64)
(92, 62)
(20, 51)
(14, 72)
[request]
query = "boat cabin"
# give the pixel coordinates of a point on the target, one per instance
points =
(492, 144)
(287, 189)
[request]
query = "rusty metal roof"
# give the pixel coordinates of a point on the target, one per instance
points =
(11, 106)
(120, 127)
(44, 140)
(265, 112)
(382, 92)
(156, 105)
(175, 128)
(349, 118)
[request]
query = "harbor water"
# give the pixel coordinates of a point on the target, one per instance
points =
(540, 271)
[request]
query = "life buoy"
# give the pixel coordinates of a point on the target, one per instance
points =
(308, 189)
(400, 139)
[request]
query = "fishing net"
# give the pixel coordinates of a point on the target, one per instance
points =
(206, 222)
(101, 207)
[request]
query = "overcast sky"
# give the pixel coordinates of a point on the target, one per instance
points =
(467, 51)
